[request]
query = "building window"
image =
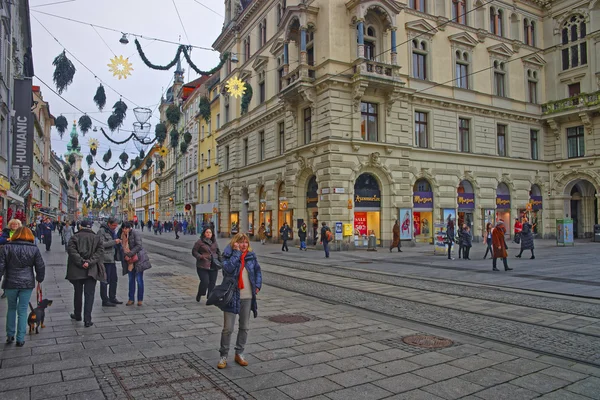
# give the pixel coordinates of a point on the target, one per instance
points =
(280, 72)
(574, 52)
(261, 35)
(421, 129)
(226, 113)
(459, 11)
(368, 125)
(419, 55)
(247, 48)
(208, 159)
(202, 161)
(496, 21)
(208, 193)
(307, 125)
(196, 159)
(227, 154)
(532, 82)
(280, 10)
(216, 191)
(201, 194)
(217, 156)
(499, 79)
(533, 141)
(370, 38)
(281, 137)
(218, 121)
(462, 69)
(245, 154)
(264, 35)
(464, 135)
(418, 5)
(501, 134)
(261, 145)
(576, 142)
(574, 89)
(529, 32)
(261, 87)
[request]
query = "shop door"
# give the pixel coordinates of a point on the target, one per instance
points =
(575, 217)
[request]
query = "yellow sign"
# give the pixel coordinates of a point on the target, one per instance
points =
(349, 204)
(215, 210)
(348, 230)
(4, 184)
(529, 207)
(283, 205)
(263, 206)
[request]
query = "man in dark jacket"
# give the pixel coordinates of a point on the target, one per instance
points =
(285, 235)
(108, 234)
(324, 230)
(46, 233)
(85, 267)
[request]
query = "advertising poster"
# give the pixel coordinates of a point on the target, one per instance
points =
(564, 232)
(449, 213)
(406, 224)
(338, 231)
(360, 223)
(439, 237)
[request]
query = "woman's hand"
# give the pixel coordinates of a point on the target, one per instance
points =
(257, 290)
(236, 246)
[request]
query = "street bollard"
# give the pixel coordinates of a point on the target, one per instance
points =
(372, 242)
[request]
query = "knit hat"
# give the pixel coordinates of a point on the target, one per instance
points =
(86, 223)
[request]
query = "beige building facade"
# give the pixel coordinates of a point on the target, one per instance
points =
(365, 112)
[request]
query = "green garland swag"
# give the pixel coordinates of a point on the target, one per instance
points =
(124, 157)
(61, 124)
(85, 123)
(110, 168)
(89, 159)
(246, 98)
(71, 159)
(107, 156)
(142, 154)
(100, 97)
(173, 114)
(64, 71)
(204, 108)
(183, 147)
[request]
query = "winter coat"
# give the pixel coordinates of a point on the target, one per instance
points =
(110, 252)
(46, 229)
(18, 259)
(450, 233)
(498, 242)
(527, 237)
(302, 234)
(396, 236)
(85, 246)
(135, 247)
(466, 239)
(262, 233)
(231, 266)
(285, 232)
(324, 231)
(204, 250)
(68, 232)
(5, 236)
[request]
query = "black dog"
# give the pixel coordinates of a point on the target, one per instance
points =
(37, 315)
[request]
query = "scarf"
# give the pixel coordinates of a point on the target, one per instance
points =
(240, 277)
(125, 242)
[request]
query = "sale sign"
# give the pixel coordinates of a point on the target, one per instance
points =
(360, 223)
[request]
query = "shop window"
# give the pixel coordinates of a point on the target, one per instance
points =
(419, 54)
(464, 135)
(499, 79)
(462, 69)
(368, 126)
(459, 11)
(533, 140)
(532, 84)
(261, 145)
(501, 139)
(307, 125)
(421, 129)
(576, 142)
(281, 141)
(574, 52)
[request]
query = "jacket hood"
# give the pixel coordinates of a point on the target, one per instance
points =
(21, 242)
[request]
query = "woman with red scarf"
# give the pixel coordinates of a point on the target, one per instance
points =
(240, 262)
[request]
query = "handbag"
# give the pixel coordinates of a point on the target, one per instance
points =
(222, 294)
(39, 293)
(215, 263)
(133, 259)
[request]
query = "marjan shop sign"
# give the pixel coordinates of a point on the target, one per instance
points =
(503, 201)
(466, 201)
(423, 199)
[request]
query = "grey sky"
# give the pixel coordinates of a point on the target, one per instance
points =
(150, 18)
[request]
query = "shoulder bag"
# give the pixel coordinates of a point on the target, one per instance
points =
(222, 294)
(215, 263)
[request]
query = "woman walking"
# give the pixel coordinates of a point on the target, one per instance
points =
(18, 260)
(461, 241)
(302, 236)
(262, 233)
(396, 243)
(241, 263)
(7, 233)
(499, 243)
(487, 238)
(450, 237)
(526, 238)
(207, 254)
(135, 262)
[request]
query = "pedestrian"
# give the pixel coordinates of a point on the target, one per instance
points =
(518, 230)
(60, 226)
(262, 233)
(466, 242)
(19, 258)
(185, 226)
(285, 235)
(499, 243)
(155, 227)
(108, 234)
(46, 233)
(176, 226)
(85, 267)
(142, 226)
(325, 238)
(461, 239)
(487, 239)
(396, 243)
(149, 225)
(7, 233)
(450, 237)
(240, 262)
(527, 238)
(68, 233)
(134, 261)
(208, 262)
(302, 236)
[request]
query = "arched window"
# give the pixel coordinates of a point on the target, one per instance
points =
(370, 40)
(264, 32)
(529, 32)
(419, 55)
(496, 21)
(499, 79)
(574, 52)
(260, 37)
(532, 33)
(500, 23)
(418, 5)
(459, 11)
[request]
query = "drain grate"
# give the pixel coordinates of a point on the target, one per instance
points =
(290, 318)
(427, 341)
(402, 343)
(162, 274)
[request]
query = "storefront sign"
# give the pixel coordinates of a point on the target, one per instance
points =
(22, 152)
(283, 205)
(440, 247)
(325, 191)
(503, 201)
(347, 229)
(536, 202)
(4, 184)
(339, 190)
(338, 231)
(360, 223)
(406, 224)
(466, 201)
(423, 199)
(364, 198)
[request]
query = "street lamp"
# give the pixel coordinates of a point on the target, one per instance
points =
(124, 39)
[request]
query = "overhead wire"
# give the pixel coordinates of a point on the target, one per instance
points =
(181, 21)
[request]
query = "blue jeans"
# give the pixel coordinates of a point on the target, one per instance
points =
(18, 301)
(302, 244)
(326, 248)
(134, 277)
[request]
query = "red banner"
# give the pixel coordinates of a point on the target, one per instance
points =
(360, 223)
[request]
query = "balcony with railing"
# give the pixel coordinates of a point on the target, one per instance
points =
(376, 69)
(582, 101)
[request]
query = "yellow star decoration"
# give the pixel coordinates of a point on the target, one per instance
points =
(92, 171)
(163, 151)
(119, 192)
(138, 174)
(120, 67)
(94, 144)
(236, 87)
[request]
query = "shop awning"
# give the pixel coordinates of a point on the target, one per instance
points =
(15, 197)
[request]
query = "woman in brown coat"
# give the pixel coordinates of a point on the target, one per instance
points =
(396, 238)
(499, 244)
(207, 254)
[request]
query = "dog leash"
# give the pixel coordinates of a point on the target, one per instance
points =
(40, 296)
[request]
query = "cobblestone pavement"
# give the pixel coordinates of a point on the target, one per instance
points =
(168, 349)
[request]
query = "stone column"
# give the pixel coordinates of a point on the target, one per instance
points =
(361, 39)
(393, 48)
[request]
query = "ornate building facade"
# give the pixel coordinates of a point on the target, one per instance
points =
(365, 112)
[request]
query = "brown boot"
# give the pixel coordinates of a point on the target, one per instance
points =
(129, 303)
(239, 358)
(139, 303)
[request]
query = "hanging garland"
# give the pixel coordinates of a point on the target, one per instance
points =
(149, 162)
(173, 114)
(100, 97)
(246, 98)
(117, 118)
(174, 136)
(115, 178)
(142, 154)
(110, 168)
(85, 183)
(71, 159)
(161, 165)
(67, 169)
(204, 108)
(103, 177)
(124, 157)
(61, 124)
(137, 162)
(85, 123)
(183, 147)
(89, 159)
(180, 49)
(160, 131)
(75, 142)
(187, 137)
(107, 156)
(80, 173)
(133, 135)
(64, 72)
